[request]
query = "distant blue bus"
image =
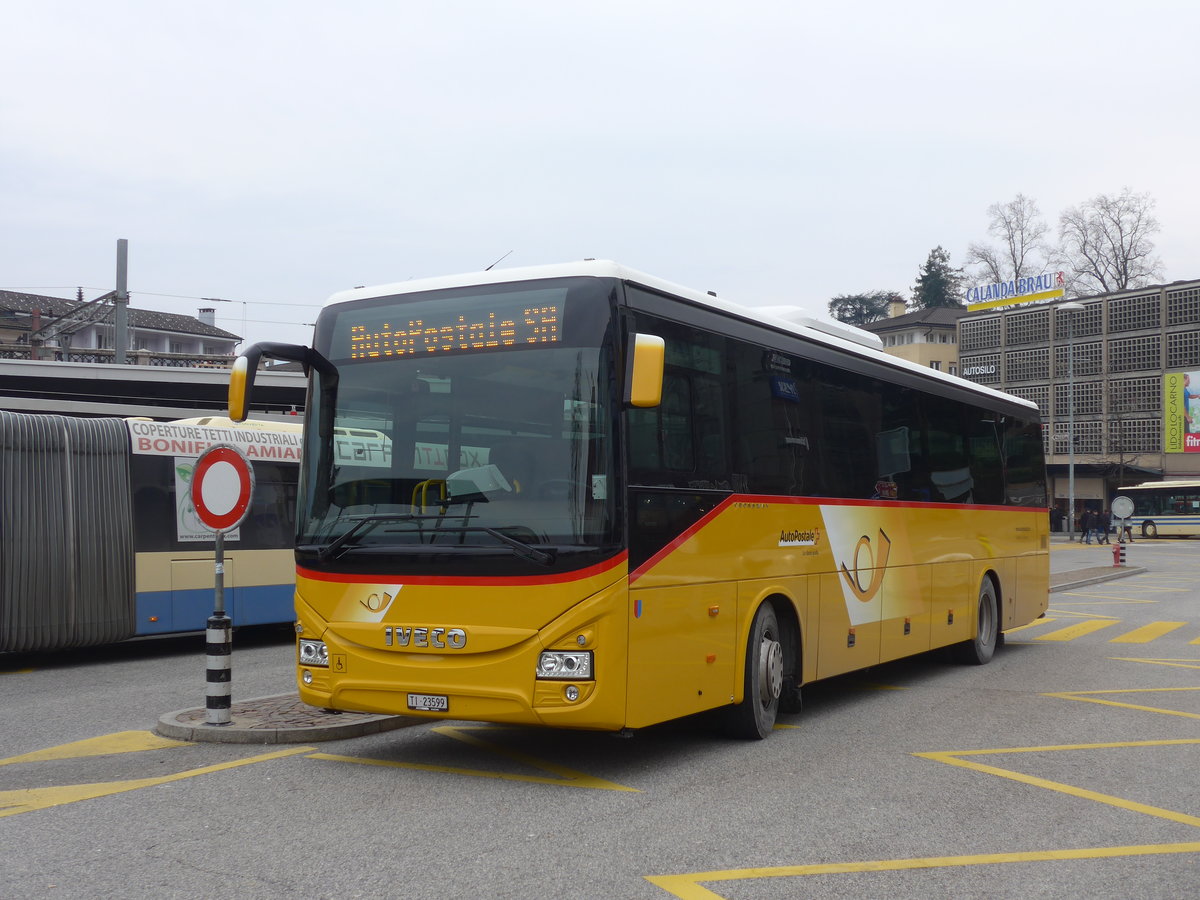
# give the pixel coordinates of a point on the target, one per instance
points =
(1165, 507)
(99, 541)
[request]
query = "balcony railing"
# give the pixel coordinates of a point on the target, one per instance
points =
(132, 357)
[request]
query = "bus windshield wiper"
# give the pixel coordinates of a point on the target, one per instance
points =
(366, 524)
(521, 548)
(362, 526)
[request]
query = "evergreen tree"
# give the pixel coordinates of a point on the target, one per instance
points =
(938, 283)
(859, 309)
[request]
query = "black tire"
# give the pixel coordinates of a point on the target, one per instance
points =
(1149, 530)
(754, 718)
(980, 649)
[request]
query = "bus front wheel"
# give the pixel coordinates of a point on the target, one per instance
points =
(980, 649)
(754, 717)
(1149, 530)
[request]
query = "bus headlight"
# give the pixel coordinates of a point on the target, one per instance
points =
(313, 653)
(573, 664)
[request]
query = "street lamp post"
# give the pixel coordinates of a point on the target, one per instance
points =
(1070, 308)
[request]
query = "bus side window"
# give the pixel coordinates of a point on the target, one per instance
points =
(850, 420)
(660, 439)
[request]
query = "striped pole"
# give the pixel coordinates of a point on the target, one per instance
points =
(218, 688)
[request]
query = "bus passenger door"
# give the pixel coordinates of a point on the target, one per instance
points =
(681, 650)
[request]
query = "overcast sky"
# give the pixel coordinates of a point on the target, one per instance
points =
(272, 153)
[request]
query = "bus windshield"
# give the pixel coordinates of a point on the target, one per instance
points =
(465, 425)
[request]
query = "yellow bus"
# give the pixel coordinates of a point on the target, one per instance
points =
(580, 496)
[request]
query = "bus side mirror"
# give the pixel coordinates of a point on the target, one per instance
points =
(239, 389)
(241, 379)
(644, 371)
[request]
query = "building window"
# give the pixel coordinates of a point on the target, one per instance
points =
(1087, 322)
(1183, 349)
(1135, 394)
(1028, 365)
(177, 347)
(979, 334)
(1183, 307)
(1088, 359)
(1133, 354)
(1133, 313)
(1027, 328)
(936, 365)
(953, 369)
(1089, 397)
(1127, 435)
(1087, 438)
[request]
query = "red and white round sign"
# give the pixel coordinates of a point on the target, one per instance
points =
(222, 485)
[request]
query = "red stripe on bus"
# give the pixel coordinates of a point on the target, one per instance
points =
(686, 534)
(807, 501)
(487, 580)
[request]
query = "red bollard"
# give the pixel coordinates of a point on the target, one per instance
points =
(1118, 555)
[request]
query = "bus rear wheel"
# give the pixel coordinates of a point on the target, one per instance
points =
(980, 649)
(754, 717)
(1149, 530)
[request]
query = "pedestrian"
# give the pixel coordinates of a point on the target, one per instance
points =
(1086, 523)
(1103, 524)
(1124, 532)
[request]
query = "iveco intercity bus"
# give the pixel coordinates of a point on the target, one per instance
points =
(581, 496)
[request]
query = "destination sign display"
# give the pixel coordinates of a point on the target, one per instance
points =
(426, 329)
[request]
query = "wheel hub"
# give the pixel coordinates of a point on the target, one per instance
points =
(770, 670)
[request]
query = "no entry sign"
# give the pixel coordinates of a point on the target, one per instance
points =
(222, 485)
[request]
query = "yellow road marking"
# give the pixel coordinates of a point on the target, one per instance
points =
(688, 887)
(121, 742)
(1126, 601)
(1147, 633)
(954, 758)
(1034, 624)
(1080, 615)
(14, 803)
(565, 777)
(1196, 641)
(1078, 630)
(15, 671)
(1177, 663)
(1089, 697)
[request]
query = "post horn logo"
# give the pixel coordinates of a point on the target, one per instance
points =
(875, 560)
(378, 602)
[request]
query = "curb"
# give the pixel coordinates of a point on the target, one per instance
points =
(1122, 572)
(279, 719)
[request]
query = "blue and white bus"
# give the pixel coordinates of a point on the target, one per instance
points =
(1165, 507)
(99, 541)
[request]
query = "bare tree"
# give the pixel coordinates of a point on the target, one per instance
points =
(1105, 243)
(1021, 231)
